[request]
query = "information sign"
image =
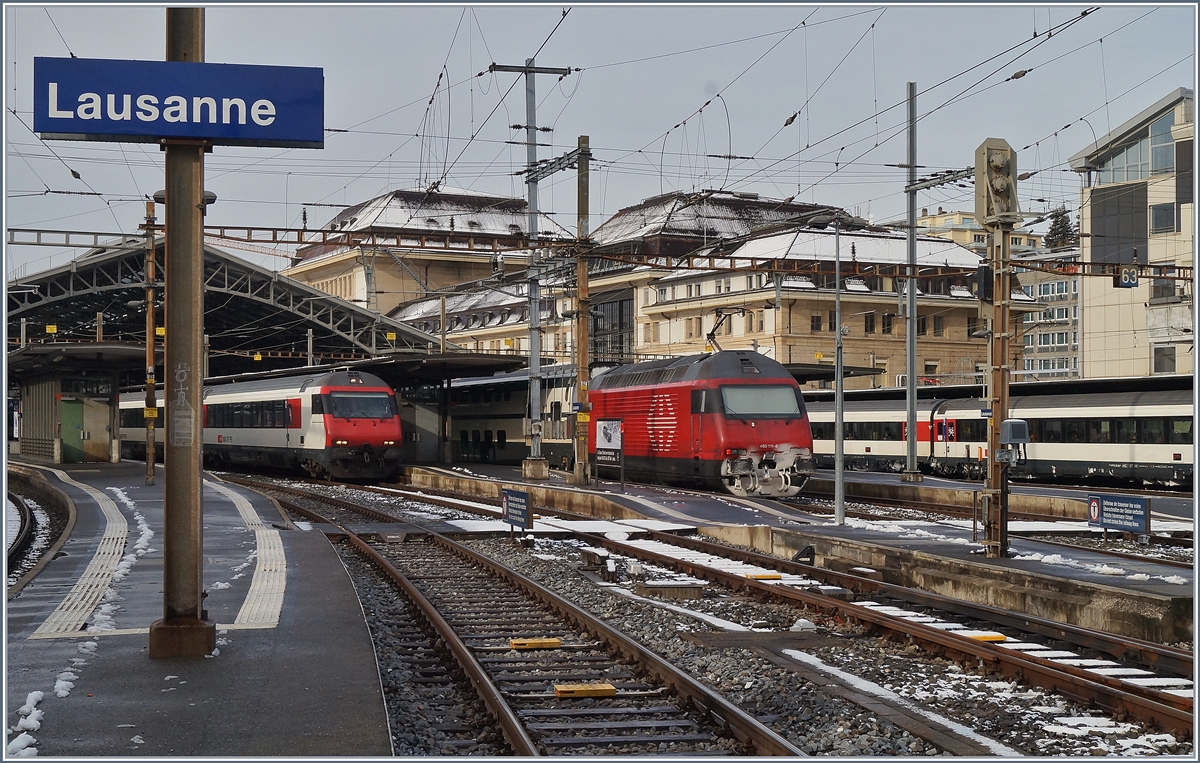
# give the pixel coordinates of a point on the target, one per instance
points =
(609, 449)
(146, 101)
(1119, 512)
(514, 506)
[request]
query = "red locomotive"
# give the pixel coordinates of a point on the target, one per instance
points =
(731, 420)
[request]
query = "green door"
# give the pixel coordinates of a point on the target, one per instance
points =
(71, 413)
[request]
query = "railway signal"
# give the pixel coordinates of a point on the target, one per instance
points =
(997, 209)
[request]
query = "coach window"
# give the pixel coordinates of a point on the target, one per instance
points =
(555, 411)
(463, 443)
(1181, 431)
(1099, 430)
(1052, 430)
(1124, 430)
(501, 438)
(1150, 431)
(1075, 430)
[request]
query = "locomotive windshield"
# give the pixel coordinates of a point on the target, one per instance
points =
(361, 405)
(769, 401)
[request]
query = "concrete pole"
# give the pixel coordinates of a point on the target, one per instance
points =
(183, 631)
(839, 455)
(151, 409)
(911, 473)
(582, 303)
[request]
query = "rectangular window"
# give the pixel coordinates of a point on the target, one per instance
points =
(689, 288)
(718, 289)
(729, 284)
(815, 323)
(1016, 241)
(922, 329)
(869, 323)
(662, 294)
(980, 238)
(749, 321)
(646, 334)
(761, 325)
(749, 282)
(728, 328)
(1162, 218)
(1162, 146)
(1163, 288)
(939, 325)
(687, 322)
(833, 320)
(1164, 359)
(887, 323)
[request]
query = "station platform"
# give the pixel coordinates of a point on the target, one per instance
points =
(294, 672)
(1144, 598)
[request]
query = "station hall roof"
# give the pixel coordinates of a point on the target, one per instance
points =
(248, 310)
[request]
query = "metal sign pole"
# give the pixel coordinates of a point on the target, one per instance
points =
(183, 630)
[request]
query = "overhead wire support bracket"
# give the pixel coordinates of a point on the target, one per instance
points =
(941, 180)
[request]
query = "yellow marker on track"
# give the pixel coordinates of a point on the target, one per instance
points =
(585, 690)
(534, 643)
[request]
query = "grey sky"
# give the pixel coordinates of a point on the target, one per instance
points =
(640, 97)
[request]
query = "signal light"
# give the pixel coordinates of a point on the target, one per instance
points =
(995, 180)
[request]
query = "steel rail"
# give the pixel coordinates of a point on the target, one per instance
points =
(24, 532)
(1172, 659)
(724, 713)
(510, 724)
(1165, 710)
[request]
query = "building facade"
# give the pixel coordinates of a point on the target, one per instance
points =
(1138, 208)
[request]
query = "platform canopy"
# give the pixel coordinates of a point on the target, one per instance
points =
(254, 319)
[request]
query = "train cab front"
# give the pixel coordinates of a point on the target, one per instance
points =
(362, 434)
(777, 472)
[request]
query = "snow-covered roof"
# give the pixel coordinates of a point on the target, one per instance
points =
(705, 215)
(439, 212)
(875, 248)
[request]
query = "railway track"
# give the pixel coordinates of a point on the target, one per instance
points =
(1120, 689)
(1138, 686)
(555, 679)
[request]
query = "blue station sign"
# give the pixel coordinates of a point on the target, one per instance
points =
(1119, 512)
(146, 101)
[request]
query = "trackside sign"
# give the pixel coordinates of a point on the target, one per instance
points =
(145, 101)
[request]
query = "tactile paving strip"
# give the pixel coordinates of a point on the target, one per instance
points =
(264, 600)
(69, 618)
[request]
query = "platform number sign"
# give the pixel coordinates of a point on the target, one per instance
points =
(1126, 277)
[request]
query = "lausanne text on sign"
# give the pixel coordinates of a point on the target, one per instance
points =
(147, 101)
